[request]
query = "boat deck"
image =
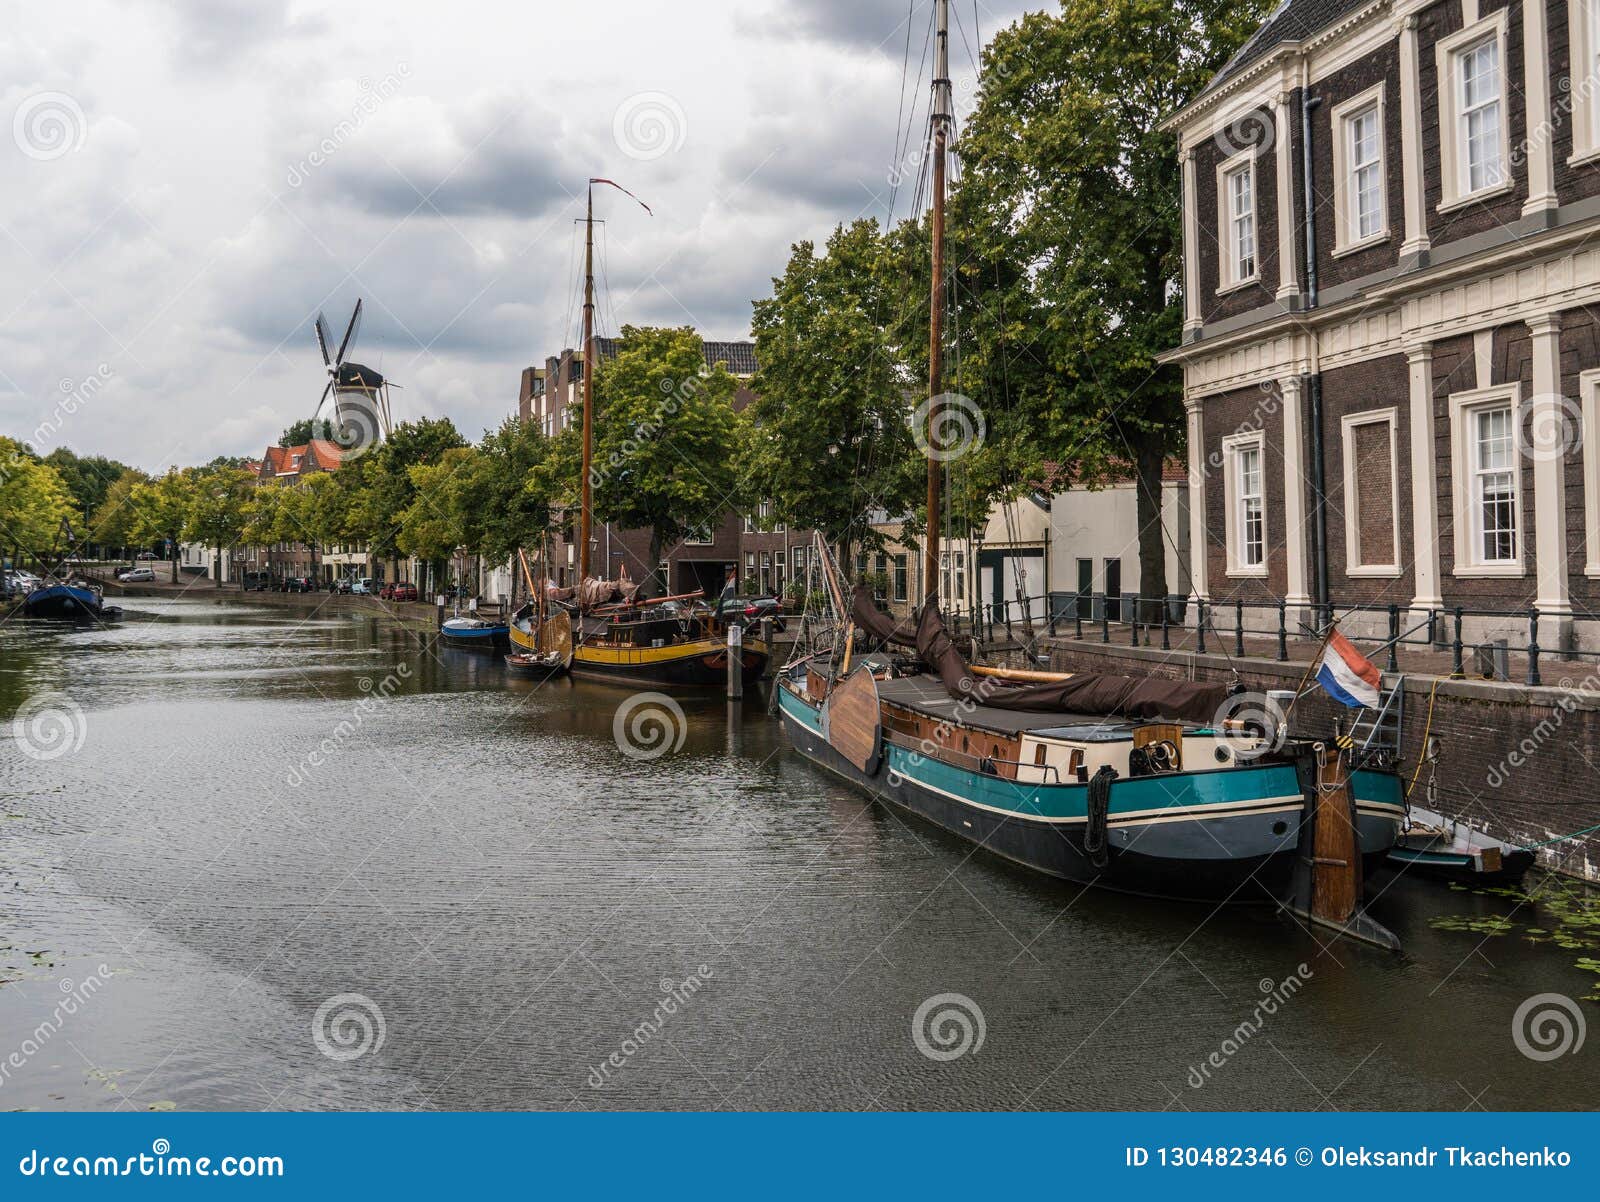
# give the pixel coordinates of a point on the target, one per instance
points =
(926, 693)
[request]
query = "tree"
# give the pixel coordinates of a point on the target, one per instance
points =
(111, 524)
(219, 509)
(446, 510)
(829, 438)
(1067, 173)
(88, 478)
(516, 491)
(388, 489)
(304, 430)
(34, 499)
(161, 508)
(664, 439)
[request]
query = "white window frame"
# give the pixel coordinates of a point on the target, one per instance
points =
(1583, 26)
(1347, 236)
(1452, 148)
(1589, 401)
(1352, 515)
(1228, 277)
(1231, 446)
(1464, 406)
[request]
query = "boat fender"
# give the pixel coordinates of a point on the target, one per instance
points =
(1094, 835)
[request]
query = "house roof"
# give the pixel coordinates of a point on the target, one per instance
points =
(291, 461)
(1291, 21)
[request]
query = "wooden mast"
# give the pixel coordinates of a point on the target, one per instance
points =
(586, 520)
(940, 118)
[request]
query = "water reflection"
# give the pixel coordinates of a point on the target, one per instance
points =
(256, 823)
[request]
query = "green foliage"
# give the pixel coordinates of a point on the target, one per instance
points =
(387, 486)
(665, 434)
(88, 478)
(828, 439)
(161, 509)
(219, 505)
(304, 430)
(1069, 212)
(33, 499)
(514, 489)
(111, 524)
(446, 509)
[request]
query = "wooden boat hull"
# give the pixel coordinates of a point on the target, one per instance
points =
(1456, 852)
(534, 667)
(1227, 835)
(700, 663)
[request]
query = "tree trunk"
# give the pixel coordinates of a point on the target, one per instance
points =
(1152, 535)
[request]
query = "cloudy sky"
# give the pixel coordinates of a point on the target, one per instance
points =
(188, 182)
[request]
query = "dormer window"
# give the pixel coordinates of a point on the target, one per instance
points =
(1237, 210)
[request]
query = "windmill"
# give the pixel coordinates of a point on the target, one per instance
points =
(360, 393)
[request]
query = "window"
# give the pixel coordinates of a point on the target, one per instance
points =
(749, 524)
(1583, 20)
(1245, 493)
(901, 578)
(1472, 111)
(1358, 171)
(778, 575)
(1371, 485)
(1480, 114)
(1238, 214)
(766, 571)
(700, 536)
(1494, 485)
(1486, 463)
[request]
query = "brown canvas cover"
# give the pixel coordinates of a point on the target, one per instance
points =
(878, 624)
(1141, 698)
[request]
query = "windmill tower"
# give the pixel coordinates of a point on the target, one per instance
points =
(360, 418)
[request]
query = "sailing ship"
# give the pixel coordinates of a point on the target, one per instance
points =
(667, 642)
(541, 638)
(1142, 785)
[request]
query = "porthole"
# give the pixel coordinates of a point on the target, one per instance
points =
(1280, 827)
(1223, 754)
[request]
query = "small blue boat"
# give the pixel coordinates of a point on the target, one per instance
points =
(70, 602)
(476, 634)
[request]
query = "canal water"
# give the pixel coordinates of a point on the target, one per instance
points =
(255, 859)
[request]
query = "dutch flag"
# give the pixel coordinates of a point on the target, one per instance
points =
(1349, 677)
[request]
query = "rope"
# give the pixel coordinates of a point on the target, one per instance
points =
(1422, 748)
(1562, 838)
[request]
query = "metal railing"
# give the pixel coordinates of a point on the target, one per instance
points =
(1230, 622)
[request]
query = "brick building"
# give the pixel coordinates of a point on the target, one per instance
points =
(1421, 339)
(290, 465)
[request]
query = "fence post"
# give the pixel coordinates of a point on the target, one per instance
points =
(1455, 665)
(1533, 647)
(1166, 636)
(1077, 617)
(1238, 628)
(1199, 627)
(1394, 638)
(1105, 619)
(1132, 618)
(1283, 630)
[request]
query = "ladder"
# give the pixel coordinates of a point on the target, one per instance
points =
(1377, 732)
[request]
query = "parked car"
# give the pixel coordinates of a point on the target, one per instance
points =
(753, 609)
(299, 584)
(405, 592)
(343, 586)
(138, 576)
(145, 555)
(366, 586)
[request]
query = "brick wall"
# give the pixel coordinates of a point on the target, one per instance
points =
(1383, 66)
(1545, 790)
(1249, 130)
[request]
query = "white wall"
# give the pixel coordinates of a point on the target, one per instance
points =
(1104, 525)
